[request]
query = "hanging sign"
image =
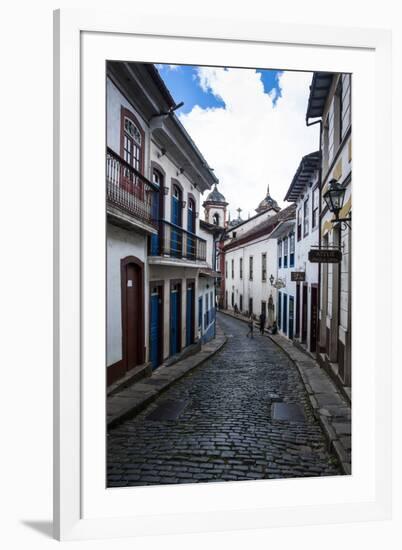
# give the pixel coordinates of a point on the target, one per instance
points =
(325, 255)
(298, 276)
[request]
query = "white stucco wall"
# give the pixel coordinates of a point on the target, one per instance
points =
(257, 289)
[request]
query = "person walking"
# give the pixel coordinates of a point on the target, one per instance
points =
(262, 322)
(250, 327)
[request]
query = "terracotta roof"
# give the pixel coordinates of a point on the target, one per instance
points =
(264, 228)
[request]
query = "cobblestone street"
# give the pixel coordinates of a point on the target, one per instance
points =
(226, 420)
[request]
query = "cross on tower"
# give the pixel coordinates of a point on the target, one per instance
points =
(239, 210)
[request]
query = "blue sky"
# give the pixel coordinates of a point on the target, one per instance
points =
(184, 86)
(252, 135)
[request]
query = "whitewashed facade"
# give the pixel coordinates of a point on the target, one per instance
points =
(155, 179)
(250, 263)
(330, 102)
(304, 191)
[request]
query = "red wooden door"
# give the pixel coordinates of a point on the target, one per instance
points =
(133, 317)
(314, 319)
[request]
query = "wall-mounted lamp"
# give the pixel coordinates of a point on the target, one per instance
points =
(271, 280)
(183, 204)
(166, 190)
(197, 214)
(334, 196)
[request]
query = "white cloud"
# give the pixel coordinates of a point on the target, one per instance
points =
(253, 141)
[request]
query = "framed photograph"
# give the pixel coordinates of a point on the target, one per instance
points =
(219, 306)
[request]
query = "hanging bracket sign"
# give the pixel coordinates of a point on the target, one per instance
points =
(298, 276)
(325, 255)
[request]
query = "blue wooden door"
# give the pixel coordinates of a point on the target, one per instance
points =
(155, 336)
(190, 315)
(175, 319)
(191, 229)
(175, 235)
(285, 314)
(155, 217)
(200, 314)
(291, 316)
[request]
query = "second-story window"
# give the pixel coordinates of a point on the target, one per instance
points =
(316, 194)
(264, 267)
(250, 268)
(285, 251)
(292, 250)
(191, 216)
(279, 254)
(176, 205)
(299, 224)
(305, 217)
(132, 144)
(241, 268)
(232, 269)
(226, 269)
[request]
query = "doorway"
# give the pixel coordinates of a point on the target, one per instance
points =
(314, 318)
(304, 314)
(175, 317)
(156, 324)
(190, 312)
(132, 282)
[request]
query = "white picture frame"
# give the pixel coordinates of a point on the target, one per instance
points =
(83, 507)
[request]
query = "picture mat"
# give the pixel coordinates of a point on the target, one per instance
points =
(197, 498)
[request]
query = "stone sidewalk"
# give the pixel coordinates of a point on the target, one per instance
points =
(131, 400)
(330, 407)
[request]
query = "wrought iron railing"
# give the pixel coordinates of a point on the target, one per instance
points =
(176, 242)
(128, 190)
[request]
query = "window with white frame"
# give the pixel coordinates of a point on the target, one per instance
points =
(279, 254)
(315, 201)
(305, 217)
(263, 266)
(285, 251)
(292, 250)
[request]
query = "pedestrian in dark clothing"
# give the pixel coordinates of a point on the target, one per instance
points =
(262, 323)
(274, 328)
(236, 309)
(250, 328)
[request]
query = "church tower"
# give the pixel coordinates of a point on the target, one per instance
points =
(215, 208)
(268, 204)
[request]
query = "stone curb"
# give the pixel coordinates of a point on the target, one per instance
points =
(134, 399)
(304, 362)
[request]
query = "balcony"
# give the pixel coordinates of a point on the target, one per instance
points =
(131, 197)
(174, 245)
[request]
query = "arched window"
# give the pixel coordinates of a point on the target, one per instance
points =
(191, 216)
(215, 218)
(132, 151)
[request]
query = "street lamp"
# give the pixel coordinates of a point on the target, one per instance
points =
(334, 197)
(271, 280)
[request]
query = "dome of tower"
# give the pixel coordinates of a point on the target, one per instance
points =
(268, 203)
(215, 196)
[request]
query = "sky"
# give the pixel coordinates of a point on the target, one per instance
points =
(249, 124)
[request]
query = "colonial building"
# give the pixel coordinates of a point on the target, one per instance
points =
(155, 176)
(304, 191)
(250, 261)
(283, 236)
(330, 105)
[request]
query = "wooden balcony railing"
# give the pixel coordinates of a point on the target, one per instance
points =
(128, 190)
(176, 242)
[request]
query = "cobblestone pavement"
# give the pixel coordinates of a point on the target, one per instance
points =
(223, 426)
